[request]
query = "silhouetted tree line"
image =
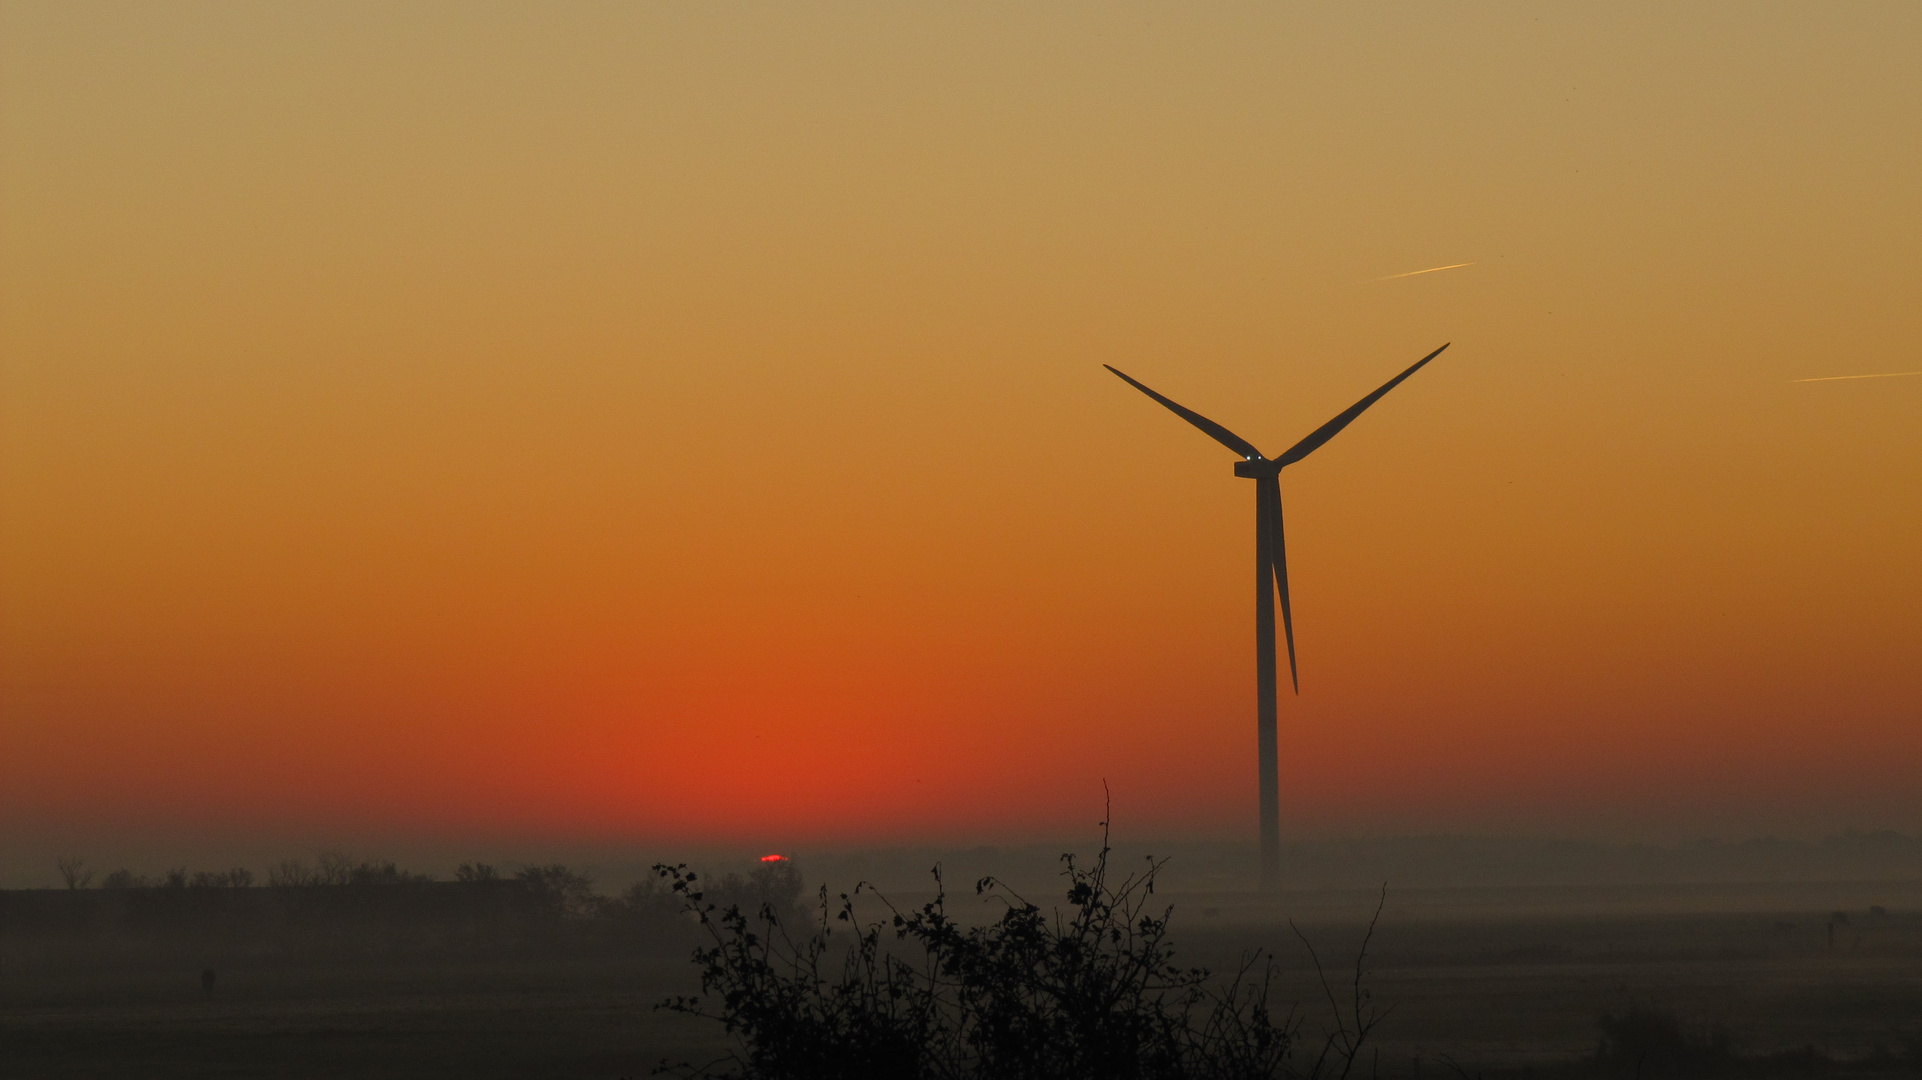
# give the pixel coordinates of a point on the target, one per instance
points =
(238, 878)
(342, 905)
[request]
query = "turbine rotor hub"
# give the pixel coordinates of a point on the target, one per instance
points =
(1257, 469)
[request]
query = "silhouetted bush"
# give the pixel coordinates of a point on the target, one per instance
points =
(1092, 992)
(124, 879)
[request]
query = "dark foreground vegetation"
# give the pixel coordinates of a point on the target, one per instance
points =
(1093, 990)
(1088, 992)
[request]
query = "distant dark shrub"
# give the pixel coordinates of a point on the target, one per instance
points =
(1089, 993)
(124, 879)
(476, 874)
(648, 900)
(777, 886)
(1652, 1043)
(337, 869)
(291, 874)
(558, 892)
(384, 873)
(238, 878)
(74, 872)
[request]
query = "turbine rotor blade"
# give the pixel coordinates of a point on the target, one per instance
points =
(1278, 561)
(1215, 431)
(1333, 427)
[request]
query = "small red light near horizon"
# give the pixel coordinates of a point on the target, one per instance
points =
(774, 858)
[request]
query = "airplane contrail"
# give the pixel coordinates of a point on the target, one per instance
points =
(1430, 270)
(1836, 378)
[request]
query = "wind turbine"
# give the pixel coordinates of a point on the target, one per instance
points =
(1271, 573)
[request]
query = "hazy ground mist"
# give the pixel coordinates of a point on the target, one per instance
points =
(1495, 954)
(1400, 861)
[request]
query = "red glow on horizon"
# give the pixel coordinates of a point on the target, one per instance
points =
(774, 858)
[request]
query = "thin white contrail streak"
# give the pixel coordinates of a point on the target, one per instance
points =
(1836, 378)
(1430, 270)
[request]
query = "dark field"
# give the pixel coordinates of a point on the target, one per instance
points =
(578, 1017)
(1490, 980)
(1521, 983)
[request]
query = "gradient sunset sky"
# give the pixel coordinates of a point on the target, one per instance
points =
(642, 421)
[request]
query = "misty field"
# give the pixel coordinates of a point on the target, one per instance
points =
(1495, 981)
(1509, 990)
(572, 1017)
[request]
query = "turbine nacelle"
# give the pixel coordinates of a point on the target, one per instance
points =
(1257, 468)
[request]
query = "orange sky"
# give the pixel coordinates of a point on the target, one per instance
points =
(687, 420)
